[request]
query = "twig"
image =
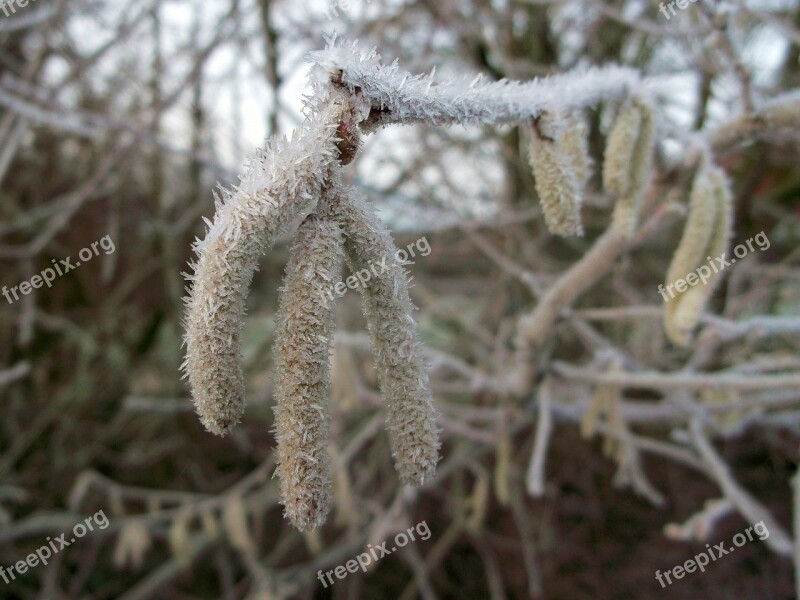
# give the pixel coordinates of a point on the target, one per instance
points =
(535, 480)
(699, 526)
(796, 515)
(169, 571)
(780, 112)
(680, 380)
(18, 371)
(755, 512)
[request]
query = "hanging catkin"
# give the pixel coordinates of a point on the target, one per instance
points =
(692, 249)
(302, 372)
(352, 93)
(691, 252)
(279, 183)
(402, 376)
(705, 237)
(552, 159)
(573, 140)
(628, 161)
(620, 148)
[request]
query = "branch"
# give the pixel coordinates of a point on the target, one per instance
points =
(535, 480)
(680, 380)
(398, 97)
(751, 509)
(780, 112)
(18, 371)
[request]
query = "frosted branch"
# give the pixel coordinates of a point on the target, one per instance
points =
(397, 97)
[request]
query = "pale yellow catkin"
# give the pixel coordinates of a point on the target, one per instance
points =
(628, 163)
(573, 140)
(692, 249)
(612, 445)
(597, 407)
(620, 149)
(690, 253)
(643, 154)
(706, 235)
(399, 363)
(305, 324)
(502, 468)
(557, 180)
(606, 403)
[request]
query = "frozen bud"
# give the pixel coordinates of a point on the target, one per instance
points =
(348, 142)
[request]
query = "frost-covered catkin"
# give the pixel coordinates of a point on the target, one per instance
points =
(402, 375)
(574, 142)
(279, 184)
(628, 161)
(706, 235)
(557, 181)
(305, 325)
(620, 148)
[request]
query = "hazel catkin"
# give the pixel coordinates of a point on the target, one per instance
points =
(554, 171)
(620, 147)
(305, 325)
(279, 183)
(402, 374)
(691, 250)
(628, 161)
(706, 236)
(573, 140)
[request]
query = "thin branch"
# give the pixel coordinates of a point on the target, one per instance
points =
(680, 380)
(18, 371)
(779, 541)
(535, 478)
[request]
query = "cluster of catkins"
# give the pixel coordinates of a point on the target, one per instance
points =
(561, 167)
(345, 225)
(300, 180)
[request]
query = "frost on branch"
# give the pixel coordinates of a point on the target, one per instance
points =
(397, 96)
